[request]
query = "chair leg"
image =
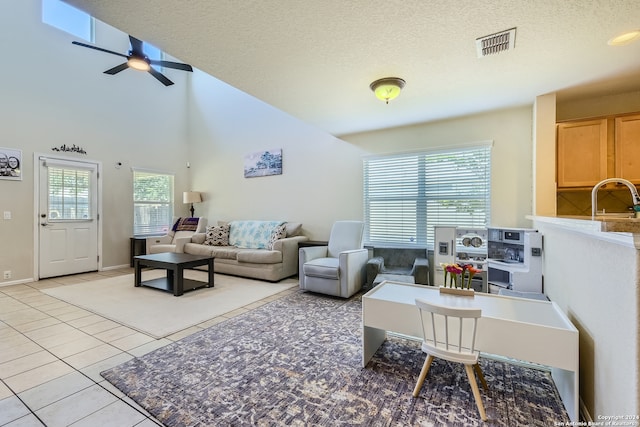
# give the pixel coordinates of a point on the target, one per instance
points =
(476, 391)
(481, 376)
(423, 375)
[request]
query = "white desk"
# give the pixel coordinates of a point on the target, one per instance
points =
(523, 329)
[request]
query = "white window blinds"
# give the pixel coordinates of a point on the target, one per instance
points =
(69, 193)
(406, 195)
(152, 202)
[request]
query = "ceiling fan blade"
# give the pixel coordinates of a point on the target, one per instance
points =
(169, 64)
(117, 69)
(136, 47)
(99, 48)
(165, 81)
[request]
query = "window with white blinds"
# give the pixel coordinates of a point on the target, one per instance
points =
(152, 202)
(69, 191)
(406, 195)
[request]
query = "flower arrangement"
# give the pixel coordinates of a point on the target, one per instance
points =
(453, 271)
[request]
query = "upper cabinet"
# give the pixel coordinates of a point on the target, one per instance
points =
(582, 153)
(589, 151)
(627, 146)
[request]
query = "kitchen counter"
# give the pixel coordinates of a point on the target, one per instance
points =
(624, 231)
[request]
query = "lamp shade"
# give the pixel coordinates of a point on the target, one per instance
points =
(387, 88)
(191, 197)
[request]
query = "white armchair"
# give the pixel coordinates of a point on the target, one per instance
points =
(339, 268)
(178, 236)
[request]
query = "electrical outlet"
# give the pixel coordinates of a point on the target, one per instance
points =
(7, 274)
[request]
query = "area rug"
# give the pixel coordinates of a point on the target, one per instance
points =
(159, 313)
(297, 361)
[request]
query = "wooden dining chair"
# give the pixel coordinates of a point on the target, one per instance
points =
(450, 333)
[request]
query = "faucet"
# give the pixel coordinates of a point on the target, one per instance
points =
(594, 193)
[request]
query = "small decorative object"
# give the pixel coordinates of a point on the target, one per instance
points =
(263, 163)
(458, 275)
(69, 149)
(10, 163)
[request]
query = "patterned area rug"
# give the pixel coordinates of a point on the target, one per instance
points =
(296, 361)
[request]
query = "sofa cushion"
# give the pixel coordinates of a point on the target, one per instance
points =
(217, 235)
(198, 249)
(327, 268)
(259, 256)
(252, 234)
(198, 238)
(280, 232)
(224, 252)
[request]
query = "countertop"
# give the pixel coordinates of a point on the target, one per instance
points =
(624, 231)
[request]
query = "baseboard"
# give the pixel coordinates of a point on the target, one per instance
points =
(17, 282)
(115, 267)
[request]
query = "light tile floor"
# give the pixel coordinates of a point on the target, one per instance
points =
(52, 353)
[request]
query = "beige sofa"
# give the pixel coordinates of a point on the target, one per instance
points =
(273, 263)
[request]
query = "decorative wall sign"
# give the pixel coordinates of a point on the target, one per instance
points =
(10, 164)
(263, 163)
(73, 149)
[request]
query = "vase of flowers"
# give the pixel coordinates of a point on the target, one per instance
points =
(459, 279)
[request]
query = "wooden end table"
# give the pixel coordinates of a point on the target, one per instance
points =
(175, 264)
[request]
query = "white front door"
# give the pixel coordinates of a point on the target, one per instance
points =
(68, 217)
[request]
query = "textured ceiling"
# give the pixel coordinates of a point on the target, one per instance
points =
(315, 59)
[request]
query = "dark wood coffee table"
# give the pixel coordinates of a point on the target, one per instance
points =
(175, 264)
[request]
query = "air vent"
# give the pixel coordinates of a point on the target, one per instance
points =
(496, 43)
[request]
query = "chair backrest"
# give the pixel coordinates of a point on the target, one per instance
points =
(345, 236)
(449, 331)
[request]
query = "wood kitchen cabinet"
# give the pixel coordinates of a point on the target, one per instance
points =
(581, 153)
(627, 146)
(589, 151)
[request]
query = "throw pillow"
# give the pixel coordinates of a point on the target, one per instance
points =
(280, 232)
(217, 235)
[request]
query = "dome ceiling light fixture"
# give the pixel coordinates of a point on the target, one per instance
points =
(387, 88)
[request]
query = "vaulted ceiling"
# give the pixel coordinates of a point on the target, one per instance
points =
(315, 59)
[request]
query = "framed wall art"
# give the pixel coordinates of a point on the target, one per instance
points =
(10, 164)
(263, 163)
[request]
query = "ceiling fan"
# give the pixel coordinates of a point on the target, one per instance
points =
(137, 60)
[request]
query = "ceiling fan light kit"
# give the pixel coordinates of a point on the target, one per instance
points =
(137, 60)
(387, 88)
(138, 64)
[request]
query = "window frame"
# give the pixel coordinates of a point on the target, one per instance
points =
(62, 19)
(406, 194)
(162, 226)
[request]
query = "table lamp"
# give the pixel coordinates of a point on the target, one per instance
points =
(191, 197)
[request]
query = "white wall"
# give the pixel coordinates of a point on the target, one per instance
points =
(55, 93)
(595, 282)
(322, 175)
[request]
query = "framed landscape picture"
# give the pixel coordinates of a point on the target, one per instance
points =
(263, 163)
(10, 164)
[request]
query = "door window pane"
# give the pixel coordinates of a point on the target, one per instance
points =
(69, 193)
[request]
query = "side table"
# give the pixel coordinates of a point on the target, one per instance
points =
(138, 247)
